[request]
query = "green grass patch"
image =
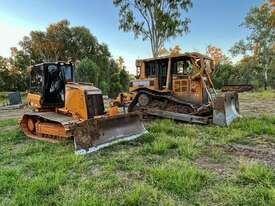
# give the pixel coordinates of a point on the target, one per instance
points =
(8, 122)
(227, 194)
(144, 194)
(159, 168)
(11, 136)
(240, 130)
(260, 95)
(257, 174)
(171, 128)
(217, 155)
(167, 137)
(180, 178)
(256, 125)
(252, 185)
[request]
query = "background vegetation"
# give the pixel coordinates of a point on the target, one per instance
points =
(257, 65)
(61, 41)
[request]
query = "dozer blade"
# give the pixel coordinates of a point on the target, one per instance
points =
(226, 108)
(178, 116)
(94, 134)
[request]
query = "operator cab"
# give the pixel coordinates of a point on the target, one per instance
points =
(157, 69)
(181, 68)
(48, 81)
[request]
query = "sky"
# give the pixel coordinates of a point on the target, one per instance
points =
(215, 22)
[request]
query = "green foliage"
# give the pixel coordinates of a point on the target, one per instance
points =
(11, 79)
(260, 42)
(257, 66)
(225, 74)
(63, 42)
(244, 72)
(115, 86)
(156, 21)
(124, 79)
(87, 71)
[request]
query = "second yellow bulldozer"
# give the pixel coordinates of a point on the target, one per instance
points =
(180, 87)
(63, 109)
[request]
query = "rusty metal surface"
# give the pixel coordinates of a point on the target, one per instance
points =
(171, 107)
(237, 88)
(60, 119)
(92, 134)
(161, 101)
(219, 103)
(178, 116)
(53, 116)
(89, 135)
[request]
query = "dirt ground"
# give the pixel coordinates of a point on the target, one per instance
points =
(253, 106)
(11, 114)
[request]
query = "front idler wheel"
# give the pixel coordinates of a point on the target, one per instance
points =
(143, 100)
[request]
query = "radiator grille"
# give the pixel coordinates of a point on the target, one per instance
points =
(95, 105)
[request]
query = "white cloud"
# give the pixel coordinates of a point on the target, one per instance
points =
(10, 35)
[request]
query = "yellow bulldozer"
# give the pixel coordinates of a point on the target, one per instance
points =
(64, 109)
(180, 87)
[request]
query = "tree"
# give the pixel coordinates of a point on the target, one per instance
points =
(172, 51)
(124, 80)
(225, 74)
(20, 62)
(249, 71)
(215, 53)
(120, 62)
(163, 52)
(175, 51)
(115, 87)
(11, 78)
(60, 41)
(156, 21)
(4, 74)
(87, 71)
(260, 43)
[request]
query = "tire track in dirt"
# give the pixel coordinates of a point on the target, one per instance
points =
(259, 153)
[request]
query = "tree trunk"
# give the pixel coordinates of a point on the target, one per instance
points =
(154, 50)
(265, 78)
